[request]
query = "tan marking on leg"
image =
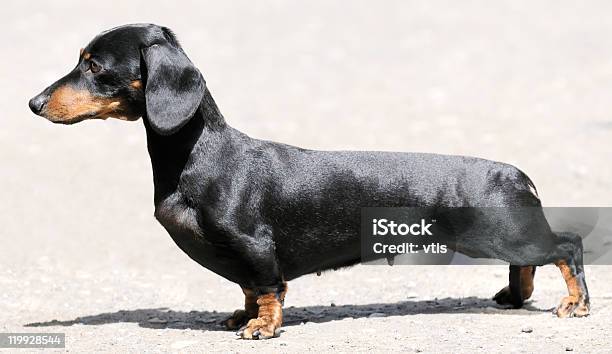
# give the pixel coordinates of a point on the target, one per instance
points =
(574, 304)
(572, 283)
(526, 282)
(268, 321)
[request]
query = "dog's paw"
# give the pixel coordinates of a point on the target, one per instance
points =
(505, 297)
(238, 319)
(260, 328)
(571, 306)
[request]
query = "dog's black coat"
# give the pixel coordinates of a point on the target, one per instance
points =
(260, 213)
(257, 212)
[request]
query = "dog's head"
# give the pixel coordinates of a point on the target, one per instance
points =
(125, 73)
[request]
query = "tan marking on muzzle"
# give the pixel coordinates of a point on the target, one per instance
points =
(68, 104)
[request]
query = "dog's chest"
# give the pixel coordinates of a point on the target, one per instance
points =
(177, 216)
(181, 222)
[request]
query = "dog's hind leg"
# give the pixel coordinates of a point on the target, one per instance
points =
(533, 243)
(520, 286)
(572, 269)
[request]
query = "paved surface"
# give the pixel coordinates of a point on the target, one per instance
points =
(523, 82)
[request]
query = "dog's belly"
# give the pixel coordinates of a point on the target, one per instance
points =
(490, 233)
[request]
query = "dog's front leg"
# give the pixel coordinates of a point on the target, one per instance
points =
(241, 317)
(269, 313)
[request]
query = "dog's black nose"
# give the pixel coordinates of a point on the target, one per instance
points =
(37, 103)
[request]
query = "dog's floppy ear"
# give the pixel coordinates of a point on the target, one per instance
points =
(174, 87)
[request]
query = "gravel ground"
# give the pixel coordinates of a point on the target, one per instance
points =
(523, 82)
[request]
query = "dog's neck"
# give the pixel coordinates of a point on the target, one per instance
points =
(170, 154)
(209, 112)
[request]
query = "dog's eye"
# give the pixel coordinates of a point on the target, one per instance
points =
(94, 67)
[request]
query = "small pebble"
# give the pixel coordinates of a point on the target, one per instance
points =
(527, 330)
(569, 349)
(376, 314)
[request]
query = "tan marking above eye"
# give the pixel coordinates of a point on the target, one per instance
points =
(137, 84)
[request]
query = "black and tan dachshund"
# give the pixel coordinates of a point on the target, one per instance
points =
(261, 213)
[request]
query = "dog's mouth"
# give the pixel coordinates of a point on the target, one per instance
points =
(68, 121)
(90, 116)
(109, 108)
(80, 118)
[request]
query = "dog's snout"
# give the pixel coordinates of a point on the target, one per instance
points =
(37, 103)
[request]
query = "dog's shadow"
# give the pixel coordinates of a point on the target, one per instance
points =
(212, 320)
